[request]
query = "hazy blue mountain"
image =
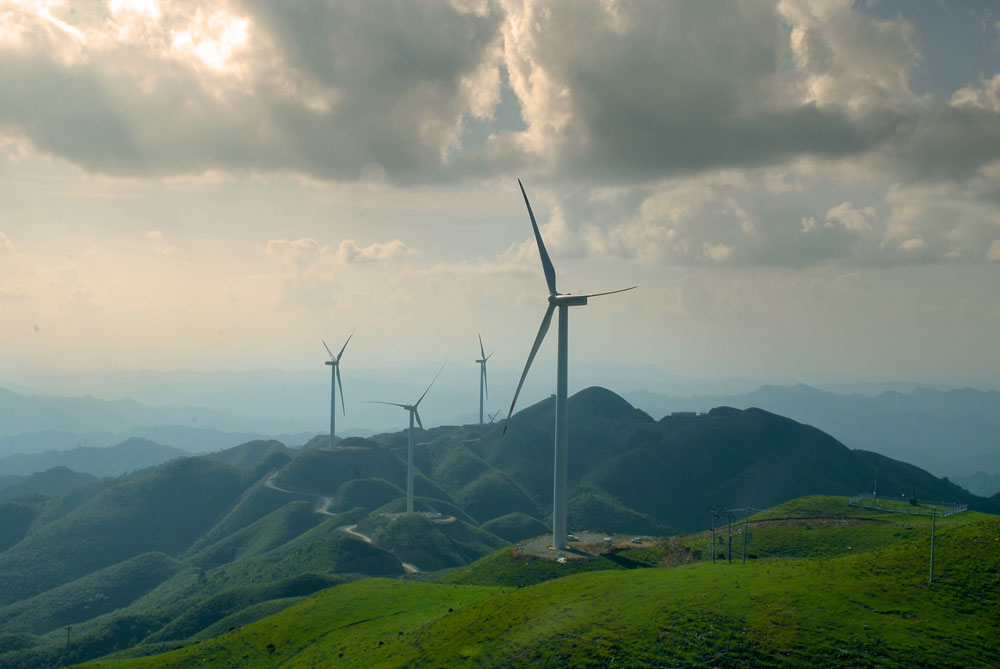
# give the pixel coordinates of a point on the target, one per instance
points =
(53, 440)
(980, 483)
(188, 439)
(945, 431)
(20, 414)
(116, 460)
(53, 481)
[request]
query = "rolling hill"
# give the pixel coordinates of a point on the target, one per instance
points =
(867, 604)
(247, 532)
(53, 481)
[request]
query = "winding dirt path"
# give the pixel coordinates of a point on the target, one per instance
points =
(323, 507)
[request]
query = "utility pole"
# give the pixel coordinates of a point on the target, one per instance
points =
(930, 578)
(713, 535)
(67, 636)
(729, 529)
(746, 532)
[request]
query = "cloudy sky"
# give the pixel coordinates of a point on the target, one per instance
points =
(802, 190)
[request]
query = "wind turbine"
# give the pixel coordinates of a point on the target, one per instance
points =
(493, 416)
(334, 363)
(563, 301)
(412, 408)
(482, 377)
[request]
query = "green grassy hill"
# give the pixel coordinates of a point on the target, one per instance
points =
(323, 470)
(515, 527)
(249, 454)
(16, 516)
(249, 541)
(53, 481)
(165, 512)
(867, 606)
(273, 530)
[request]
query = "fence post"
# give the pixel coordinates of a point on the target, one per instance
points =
(930, 579)
(713, 535)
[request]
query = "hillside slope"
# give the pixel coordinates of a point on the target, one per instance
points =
(855, 609)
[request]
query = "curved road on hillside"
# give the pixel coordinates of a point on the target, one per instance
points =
(323, 507)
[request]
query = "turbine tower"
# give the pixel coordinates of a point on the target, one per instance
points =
(483, 387)
(335, 381)
(563, 301)
(412, 408)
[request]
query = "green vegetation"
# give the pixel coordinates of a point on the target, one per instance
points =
(598, 511)
(515, 527)
(429, 544)
(868, 608)
(510, 568)
(370, 493)
(179, 554)
(164, 512)
(53, 481)
(273, 530)
(90, 596)
(16, 517)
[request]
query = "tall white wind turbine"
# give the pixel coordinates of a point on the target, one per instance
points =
(412, 408)
(483, 387)
(563, 301)
(335, 381)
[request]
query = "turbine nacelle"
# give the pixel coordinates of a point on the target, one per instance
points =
(568, 299)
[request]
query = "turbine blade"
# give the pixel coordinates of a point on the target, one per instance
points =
(341, 384)
(489, 356)
(345, 346)
(610, 292)
(417, 416)
(395, 404)
(332, 357)
(417, 403)
(486, 385)
(547, 268)
(482, 351)
(531, 356)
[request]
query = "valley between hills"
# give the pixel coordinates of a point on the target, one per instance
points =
(264, 555)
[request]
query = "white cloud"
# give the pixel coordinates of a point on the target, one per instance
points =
(993, 254)
(350, 252)
(852, 219)
(5, 246)
(306, 277)
(718, 252)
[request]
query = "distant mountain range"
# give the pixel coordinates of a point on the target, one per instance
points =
(30, 423)
(948, 432)
(128, 456)
(202, 543)
(952, 432)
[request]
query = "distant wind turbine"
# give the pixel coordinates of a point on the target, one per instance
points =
(483, 387)
(563, 301)
(335, 381)
(412, 408)
(493, 416)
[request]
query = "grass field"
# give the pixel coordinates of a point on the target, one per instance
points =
(864, 600)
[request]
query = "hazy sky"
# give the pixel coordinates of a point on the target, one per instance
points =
(798, 188)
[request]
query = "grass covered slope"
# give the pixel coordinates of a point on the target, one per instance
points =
(163, 512)
(859, 608)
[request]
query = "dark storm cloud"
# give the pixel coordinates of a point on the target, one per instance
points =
(399, 77)
(689, 86)
(609, 92)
